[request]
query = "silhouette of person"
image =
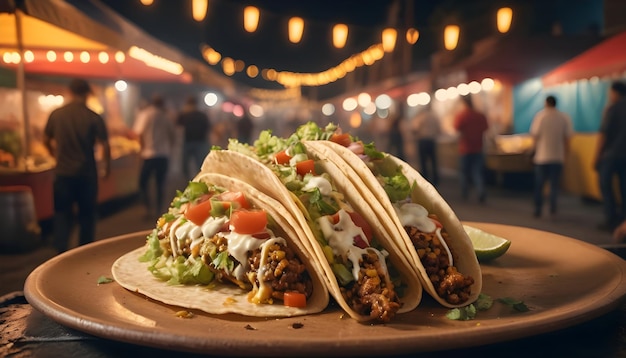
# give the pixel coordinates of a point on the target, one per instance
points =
(427, 128)
(155, 131)
(551, 130)
(471, 126)
(196, 126)
(70, 135)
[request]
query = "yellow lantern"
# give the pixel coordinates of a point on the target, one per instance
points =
(199, 8)
(389, 39)
(504, 18)
(250, 18)
(296, 27)
(147, 2)
(340, 35)
(451, 36)
(412, 35)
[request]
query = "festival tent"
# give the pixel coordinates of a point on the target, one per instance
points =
(607, 59)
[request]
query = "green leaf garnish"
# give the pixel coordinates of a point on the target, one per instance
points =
(104, 279)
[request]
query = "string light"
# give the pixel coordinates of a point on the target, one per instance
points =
(198, 9)
(412, 35)
(451, 37)
(504, 18)
(389, 39)
(340, 35)
(296, 28)
(250, 18)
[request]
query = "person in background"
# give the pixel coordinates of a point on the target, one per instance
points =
(427, 128)
(610, 157)
(196, 129)
(155, 131)
(551, 130)
(244, 128)
(471, 126)
(70, 135)
(396, 139)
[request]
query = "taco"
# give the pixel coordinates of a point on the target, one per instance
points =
(367, 274)
(425, 225)
(225, 247)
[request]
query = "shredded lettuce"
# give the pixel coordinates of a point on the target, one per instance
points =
(154, 250)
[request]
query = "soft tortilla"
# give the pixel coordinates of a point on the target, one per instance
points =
(219, 298)
(424, 194)
(263, 178)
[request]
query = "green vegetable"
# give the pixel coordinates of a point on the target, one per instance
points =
(484, 302)
(462, 313)
(154, 248)
(344, 276)
(371, 151)
(223, 262)
(104, 279)
(397, 186)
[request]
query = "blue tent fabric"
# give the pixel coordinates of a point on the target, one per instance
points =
(584, 101)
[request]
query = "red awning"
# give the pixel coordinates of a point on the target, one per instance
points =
(605, 59)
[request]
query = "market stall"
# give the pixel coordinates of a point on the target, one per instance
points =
(583, 81)
(42, 45)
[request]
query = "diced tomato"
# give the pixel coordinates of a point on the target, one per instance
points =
(358, 242)
(236, 197)
(262, 235)
(305, 167)
(294, 299)
(282, 157)
(248, 221)
(359, 221)
(343, 139)
(198, 212)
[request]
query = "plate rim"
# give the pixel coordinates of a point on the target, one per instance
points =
(160, 339)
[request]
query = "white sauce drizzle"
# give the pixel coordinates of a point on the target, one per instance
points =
(264, 290)
(340, 238)
(319, 182)
(412, 214)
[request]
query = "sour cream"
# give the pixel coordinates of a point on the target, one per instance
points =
(320, 183)
(340, 237)
(412, 214)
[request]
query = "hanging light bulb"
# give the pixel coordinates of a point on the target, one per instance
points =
(340, 35)
(389, 39)
(504, 18)
(296, 27)
(250, 18)
(199, 8)
(147, 2)
(451, 37)
(412, 35)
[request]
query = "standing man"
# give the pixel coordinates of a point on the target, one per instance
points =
(427, 128)
(551, 130)
(471, 126)
(155, 130)
(611, 156)
(70, 135)
(196, 126)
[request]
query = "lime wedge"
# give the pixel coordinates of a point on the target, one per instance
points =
(487, 246)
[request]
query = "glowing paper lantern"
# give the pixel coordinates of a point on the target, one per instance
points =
(504, 17)
(389, 39)
(296, 27)
(250, 18)
(412, 35)
(198, 9)
(451, 37)
(147, 2)
(340, 35)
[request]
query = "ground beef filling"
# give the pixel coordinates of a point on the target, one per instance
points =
(284, 271)
(451, 285)
(372, 295)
